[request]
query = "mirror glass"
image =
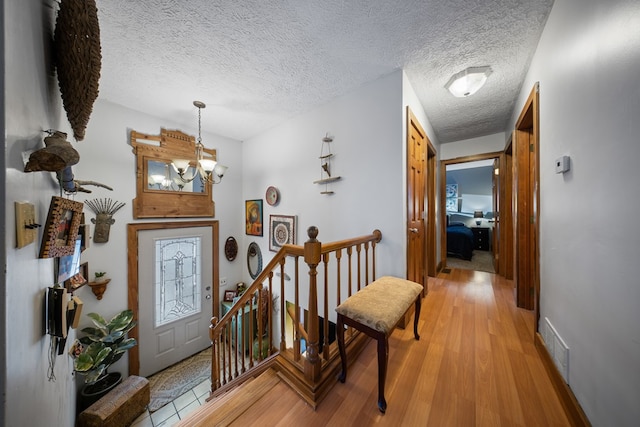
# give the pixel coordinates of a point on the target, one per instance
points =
(254, 260)
(162, 176)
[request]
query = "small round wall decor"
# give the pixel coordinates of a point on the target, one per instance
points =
(272, 196)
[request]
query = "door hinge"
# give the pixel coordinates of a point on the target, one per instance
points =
(531, 148)
(532, 220)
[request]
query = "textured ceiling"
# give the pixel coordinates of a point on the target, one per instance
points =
(257, 63)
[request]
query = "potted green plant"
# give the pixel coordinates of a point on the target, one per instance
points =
(98, 349)
(101, 276)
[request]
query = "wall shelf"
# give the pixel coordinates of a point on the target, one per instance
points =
(327, 180)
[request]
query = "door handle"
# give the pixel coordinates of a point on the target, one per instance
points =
(207, 296)
(413, 230)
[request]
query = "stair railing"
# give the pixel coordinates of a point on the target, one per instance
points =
(233, 356)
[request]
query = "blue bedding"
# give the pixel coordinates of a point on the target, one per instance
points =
(459, 241)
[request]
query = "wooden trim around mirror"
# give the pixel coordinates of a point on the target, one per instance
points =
(154, 203)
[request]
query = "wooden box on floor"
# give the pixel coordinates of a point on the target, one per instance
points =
(120, 407)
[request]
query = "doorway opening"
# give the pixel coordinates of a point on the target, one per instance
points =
(471, 204)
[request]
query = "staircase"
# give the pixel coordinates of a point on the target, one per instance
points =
(228, 407)
(300, 350)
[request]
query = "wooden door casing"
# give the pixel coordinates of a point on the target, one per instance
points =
(132, 273)
(527, 201)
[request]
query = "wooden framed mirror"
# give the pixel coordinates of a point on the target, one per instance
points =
(160, 193)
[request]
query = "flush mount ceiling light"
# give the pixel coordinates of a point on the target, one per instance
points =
(205, 167)
(468, 81)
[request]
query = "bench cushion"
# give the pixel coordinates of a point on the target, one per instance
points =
(381, 304)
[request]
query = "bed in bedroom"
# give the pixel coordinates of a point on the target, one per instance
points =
(459, 240)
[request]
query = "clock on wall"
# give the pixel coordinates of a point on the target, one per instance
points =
(272, 196)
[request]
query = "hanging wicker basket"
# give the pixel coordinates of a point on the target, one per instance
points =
(78, 60)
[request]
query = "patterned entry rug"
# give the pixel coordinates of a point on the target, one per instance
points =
(480, 261)
(178, 379)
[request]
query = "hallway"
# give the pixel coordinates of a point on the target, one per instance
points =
(475, 365)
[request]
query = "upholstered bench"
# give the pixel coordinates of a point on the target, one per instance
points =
(375, 310)
(120, 407)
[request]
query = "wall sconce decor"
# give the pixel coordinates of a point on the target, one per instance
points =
(205, 165)
(104, 210)
(468, 81)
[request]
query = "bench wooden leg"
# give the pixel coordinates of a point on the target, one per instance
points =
(417, 317)
(343, 354)
(383, 358)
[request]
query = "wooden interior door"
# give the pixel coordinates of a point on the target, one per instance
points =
(506, 215)
(495, 237)
(527, 200)
(416, 197)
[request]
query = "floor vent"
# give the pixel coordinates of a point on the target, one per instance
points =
(446, 270)
(558, 349)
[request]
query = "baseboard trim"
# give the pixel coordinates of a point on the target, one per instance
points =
(572, 407)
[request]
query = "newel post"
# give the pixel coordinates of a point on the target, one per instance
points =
(312, 252)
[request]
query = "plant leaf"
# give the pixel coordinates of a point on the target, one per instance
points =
(94, 334)
(83, 362)
(120, 321)
(126, 345)
(95, 375)
(98, 320)
(102, 355)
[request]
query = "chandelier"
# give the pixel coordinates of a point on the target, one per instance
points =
(208, 169)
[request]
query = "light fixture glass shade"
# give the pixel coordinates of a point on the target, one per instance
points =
(220, 170)
(180, 165)
(156, 179)
(207, 165)
(468, 81)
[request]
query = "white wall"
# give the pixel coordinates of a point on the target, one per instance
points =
(587, 64)
(367, 129)
(472, 146)
(31, 104)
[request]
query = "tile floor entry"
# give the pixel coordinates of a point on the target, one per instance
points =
(174, 411)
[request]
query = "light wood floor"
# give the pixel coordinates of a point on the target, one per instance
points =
(475, 365)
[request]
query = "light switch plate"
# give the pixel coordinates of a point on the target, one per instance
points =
(25, 218)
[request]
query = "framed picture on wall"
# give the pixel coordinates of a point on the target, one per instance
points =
(229, 296)
(253, 217)
(282, 231)
(61, 229)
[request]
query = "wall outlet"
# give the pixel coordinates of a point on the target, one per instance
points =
(223, 282)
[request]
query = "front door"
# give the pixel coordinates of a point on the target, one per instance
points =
(175, 284)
